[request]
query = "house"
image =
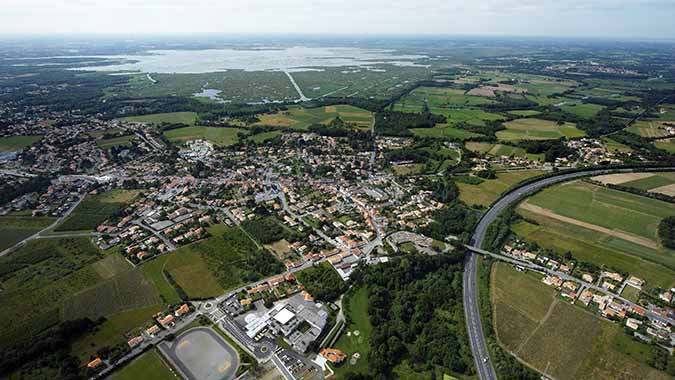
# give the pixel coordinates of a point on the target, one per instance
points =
(95, 363)
(135, 341)
(666, 296)
(633, 323)
(166, 321)
(334, 356)
(587, 277)
(182, 310)
(636, 282)
(152, 330)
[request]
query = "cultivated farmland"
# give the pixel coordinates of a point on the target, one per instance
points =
(537, 129)
(602, 226)
(188, 118)
(566, 341)
(95, 209)
(301, 118)
(217, 136)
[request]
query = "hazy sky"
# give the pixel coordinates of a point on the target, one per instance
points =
(596, 18)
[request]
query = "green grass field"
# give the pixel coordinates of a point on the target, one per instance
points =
(125, 291)
(525, 113)
(653, 182)
(112, 331)
(437, 97)
(301, 118)
(666, 144)
(648, 128)
(591, 247)
(498, 150)
(262, 137)
(150, 366)
(11, 144)
(189, 118)
(444, 131)
(115, 142)
(217, 136)
(13, 229)
(486, 192)
(37, 278)
(191, 272)
(357, 310)
(610, 227)
(565, 340)
(153, 271)
(95, 209)
(614, 146)
(537, 129)
(585, 110)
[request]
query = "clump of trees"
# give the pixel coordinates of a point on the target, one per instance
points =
(667, 232)
(392, 123)
(322, 282)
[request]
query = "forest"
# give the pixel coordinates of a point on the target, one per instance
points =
(415, 307)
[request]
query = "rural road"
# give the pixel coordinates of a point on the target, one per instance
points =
(475, 329)
(38, 234)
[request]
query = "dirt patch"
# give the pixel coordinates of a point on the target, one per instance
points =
(331, 109)
(617, 179)
(615, 233)
(483, 91)
(665, 190)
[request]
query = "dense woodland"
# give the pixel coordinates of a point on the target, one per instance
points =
(415, 307)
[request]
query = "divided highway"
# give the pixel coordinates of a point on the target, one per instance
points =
(475, 329)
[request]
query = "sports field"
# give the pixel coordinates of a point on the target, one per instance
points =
(188, 118)
(301, 118)
(488, 191)
(537, 129)
(566, 341)
(602, 226)
(150, 366)
(14, 143)
(217, 136)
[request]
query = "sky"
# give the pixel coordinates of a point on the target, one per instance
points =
(560, 18)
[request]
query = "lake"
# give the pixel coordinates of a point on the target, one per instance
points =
(290, 59)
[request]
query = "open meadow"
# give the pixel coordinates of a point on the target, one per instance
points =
(488, 191)
(149, 366)
(563, 340)
(14, 143)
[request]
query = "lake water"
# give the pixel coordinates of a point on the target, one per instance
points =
(291, 59)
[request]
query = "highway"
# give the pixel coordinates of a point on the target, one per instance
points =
(471, 312)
